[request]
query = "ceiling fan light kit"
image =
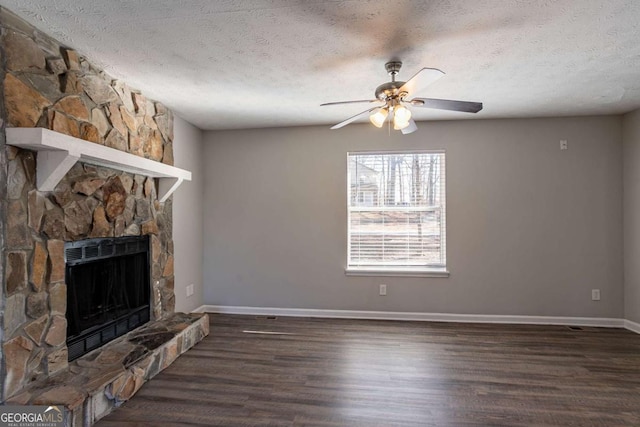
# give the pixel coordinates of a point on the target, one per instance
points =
(401, 117)
(395, 94)
(378, 117)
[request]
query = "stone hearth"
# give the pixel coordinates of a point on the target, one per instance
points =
(104, 379)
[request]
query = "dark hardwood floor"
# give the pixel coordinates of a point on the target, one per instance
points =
(365, 373)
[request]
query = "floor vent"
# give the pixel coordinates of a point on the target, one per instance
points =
(575, 328)
(267, 317)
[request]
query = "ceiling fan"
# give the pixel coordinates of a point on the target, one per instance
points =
(395, 98)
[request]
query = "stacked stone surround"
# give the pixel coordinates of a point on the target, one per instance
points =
(48, 85)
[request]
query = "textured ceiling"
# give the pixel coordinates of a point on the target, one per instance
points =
(265, 63)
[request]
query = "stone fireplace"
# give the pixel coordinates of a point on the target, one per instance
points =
(56, 260)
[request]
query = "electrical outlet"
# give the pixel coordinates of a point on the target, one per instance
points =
(564, 144)
(595, 294)
(190, 289)
(383, 290)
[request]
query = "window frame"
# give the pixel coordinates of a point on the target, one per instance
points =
(390, 271)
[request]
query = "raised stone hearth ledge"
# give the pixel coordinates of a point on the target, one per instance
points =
(102, 380)
(57, 153)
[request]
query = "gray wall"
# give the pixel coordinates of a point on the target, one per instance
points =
(631, 183)
(531, 229)
(187, 215)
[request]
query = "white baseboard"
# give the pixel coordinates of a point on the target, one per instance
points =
(428, 317)
(632, 326)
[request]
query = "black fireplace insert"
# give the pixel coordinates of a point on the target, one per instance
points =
(108, 290)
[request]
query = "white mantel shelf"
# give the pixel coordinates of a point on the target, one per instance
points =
(57, 153)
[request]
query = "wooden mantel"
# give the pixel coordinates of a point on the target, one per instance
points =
(57, 153)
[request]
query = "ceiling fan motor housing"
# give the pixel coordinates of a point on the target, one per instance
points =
(390, 90)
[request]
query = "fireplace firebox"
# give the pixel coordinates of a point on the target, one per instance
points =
(108, 290)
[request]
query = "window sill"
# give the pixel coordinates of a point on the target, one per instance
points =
(390, 272)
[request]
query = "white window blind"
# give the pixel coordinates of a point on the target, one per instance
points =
(397, 211)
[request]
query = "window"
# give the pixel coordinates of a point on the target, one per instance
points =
(396, 213)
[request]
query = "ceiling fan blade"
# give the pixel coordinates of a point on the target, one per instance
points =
(447, 104)
(410, 129)
(421, 80)
(353, 118)
(350, 102)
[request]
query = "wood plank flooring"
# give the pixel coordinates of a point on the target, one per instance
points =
(365, 373)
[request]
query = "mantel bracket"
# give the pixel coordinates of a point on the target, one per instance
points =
(52, 166)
